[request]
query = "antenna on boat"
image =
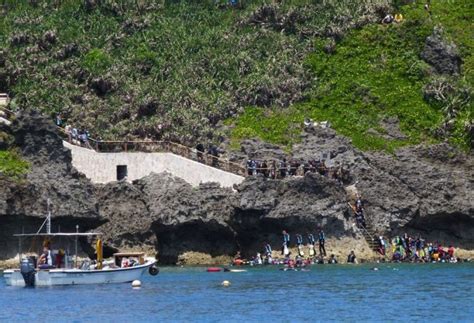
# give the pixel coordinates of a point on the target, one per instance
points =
(47, 221)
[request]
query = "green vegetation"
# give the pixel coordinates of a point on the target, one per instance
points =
(12, 165)
(164, 69)
(96, 61)
(376, 73)
(176, 70)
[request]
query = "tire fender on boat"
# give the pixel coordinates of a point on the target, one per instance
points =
(153, 270)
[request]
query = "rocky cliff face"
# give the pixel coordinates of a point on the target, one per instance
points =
(51, 176)
(219, 221)
(427, 189)
(419, 189)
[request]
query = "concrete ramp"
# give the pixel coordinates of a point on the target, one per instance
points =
(109, 167)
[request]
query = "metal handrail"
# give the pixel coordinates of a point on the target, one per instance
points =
(168, 146)
(8, 113)
(162, 146)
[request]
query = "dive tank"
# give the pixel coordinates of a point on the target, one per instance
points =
(27, 269)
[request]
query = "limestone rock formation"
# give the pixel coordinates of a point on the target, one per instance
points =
(418, 189)
(427, 189)
(443, 56)
(23, 205)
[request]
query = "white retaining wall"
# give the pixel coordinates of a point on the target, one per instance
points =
(102, 167)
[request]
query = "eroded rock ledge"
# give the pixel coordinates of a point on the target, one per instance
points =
(419, 189)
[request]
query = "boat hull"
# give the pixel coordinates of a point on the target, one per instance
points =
(57, 277)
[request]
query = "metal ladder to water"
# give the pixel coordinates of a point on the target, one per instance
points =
(370, 237)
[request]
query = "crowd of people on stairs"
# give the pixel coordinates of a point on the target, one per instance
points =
(76, 136)
(278, 169)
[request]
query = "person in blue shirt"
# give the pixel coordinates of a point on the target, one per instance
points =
(322, 239)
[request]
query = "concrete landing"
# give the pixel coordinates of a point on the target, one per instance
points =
(102, 167)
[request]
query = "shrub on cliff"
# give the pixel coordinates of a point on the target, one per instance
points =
(12, 165)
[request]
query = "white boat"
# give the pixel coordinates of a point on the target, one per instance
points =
(74, 276)
(125, 267)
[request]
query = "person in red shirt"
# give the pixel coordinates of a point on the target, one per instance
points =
(441, 251)
(451, 251)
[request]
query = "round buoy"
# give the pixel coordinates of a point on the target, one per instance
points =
(375, 269)
(136, 284)
(226, 283)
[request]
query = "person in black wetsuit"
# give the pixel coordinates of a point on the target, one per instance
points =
(199, 151)
(322, 240)
(282, 168)
(360, 219)
(250, 167)
(264, 168)
(351, 259)
(359, 212)
(214, 153)
(332, 259)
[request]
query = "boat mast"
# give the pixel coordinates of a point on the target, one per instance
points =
(19, 244)
(75, 258)
(48, 221)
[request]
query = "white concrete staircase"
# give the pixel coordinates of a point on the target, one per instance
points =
(101, 167)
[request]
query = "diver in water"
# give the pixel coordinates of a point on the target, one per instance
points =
(351, 258)
(332, 259)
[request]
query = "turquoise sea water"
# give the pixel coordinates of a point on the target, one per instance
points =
(396, 292)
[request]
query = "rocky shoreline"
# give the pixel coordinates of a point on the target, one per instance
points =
(419, 190)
